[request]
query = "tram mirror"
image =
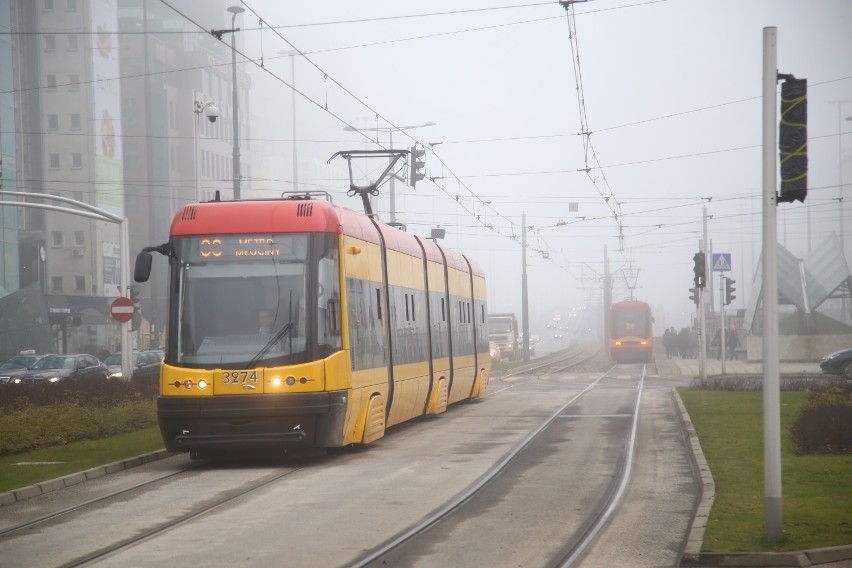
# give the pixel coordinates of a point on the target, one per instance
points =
(142, 270)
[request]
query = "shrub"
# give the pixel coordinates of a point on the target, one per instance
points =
(824, 425)
(39, 426)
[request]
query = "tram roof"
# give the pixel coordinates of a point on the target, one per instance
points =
(307, 215)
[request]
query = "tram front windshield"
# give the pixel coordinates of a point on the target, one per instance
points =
(629, 324)
(254, 300)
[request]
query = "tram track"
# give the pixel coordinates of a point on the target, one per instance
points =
(551, 364)
(207, 507)
(31, 523)
(398, 550)
(149, 526)
(520, 469)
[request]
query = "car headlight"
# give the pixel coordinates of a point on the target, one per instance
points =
(116, 375)
(54, 379)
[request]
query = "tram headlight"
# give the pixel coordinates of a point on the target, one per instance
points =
(276, 381)
(202, 384)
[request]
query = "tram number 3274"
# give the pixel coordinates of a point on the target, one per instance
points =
(239, 377)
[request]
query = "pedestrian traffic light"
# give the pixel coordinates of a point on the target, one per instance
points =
(793, 140)
(729, 290)
(415, 165)
(699, 269)
(693, 295)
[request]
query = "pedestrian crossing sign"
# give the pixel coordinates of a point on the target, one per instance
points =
(721, 262)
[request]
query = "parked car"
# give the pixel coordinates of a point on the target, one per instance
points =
(62, 368)
(838, 363)
(142, 361)
(15, 366)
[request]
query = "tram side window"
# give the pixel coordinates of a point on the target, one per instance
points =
(328, 302)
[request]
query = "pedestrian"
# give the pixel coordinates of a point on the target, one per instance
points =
(667, 343)
(733, 341)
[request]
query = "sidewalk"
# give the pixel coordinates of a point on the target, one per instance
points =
(689, 367)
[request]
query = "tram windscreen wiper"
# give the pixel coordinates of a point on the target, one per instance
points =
(272, 341)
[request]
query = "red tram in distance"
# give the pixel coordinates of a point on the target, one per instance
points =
(631, 333)
(295, 323)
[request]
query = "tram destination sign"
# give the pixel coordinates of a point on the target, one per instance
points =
(248, 247)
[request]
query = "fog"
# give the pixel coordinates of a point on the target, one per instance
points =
(669, 91)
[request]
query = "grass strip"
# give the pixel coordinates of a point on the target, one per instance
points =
(29, 468)
(816, 490)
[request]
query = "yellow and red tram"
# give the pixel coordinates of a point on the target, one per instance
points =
(371, 326)
(631, 337)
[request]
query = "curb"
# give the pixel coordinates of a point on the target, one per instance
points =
(31, 491)
(692, 555)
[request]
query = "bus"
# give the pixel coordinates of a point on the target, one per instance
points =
(366, 326)
(631, 332)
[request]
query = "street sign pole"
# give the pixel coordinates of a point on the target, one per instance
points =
(126, 347)
(723, 347)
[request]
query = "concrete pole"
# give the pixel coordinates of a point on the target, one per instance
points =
(723, 348)
(295, 155)
(124, 248)
(771, 382)
(525, 318)
(392, 184)
(236, 155)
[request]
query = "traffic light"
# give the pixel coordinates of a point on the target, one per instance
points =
(793, 140)
(133, 292)
(415, 165)
(693, 295)
(136, 320)
(699, 269)
(729, 290)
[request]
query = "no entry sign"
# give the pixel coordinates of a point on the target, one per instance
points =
(122, 309)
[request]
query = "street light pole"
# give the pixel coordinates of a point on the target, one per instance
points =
(292, 55)
(234, 10)
(295, 158)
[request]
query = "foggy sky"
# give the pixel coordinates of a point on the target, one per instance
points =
(671, 92)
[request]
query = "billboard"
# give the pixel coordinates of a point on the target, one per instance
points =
(106, 112)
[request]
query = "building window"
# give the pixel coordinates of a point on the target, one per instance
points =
(51, 82)
(53, 161)
(72, 42)
(48, 5)
(56, 284)
(74, 82)
(50, 43)
(78, 196)
(75, 121)
(72, 5)
(79, 238)
(52, 121)
(79, 283)
(77, 161)
(56, 239)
